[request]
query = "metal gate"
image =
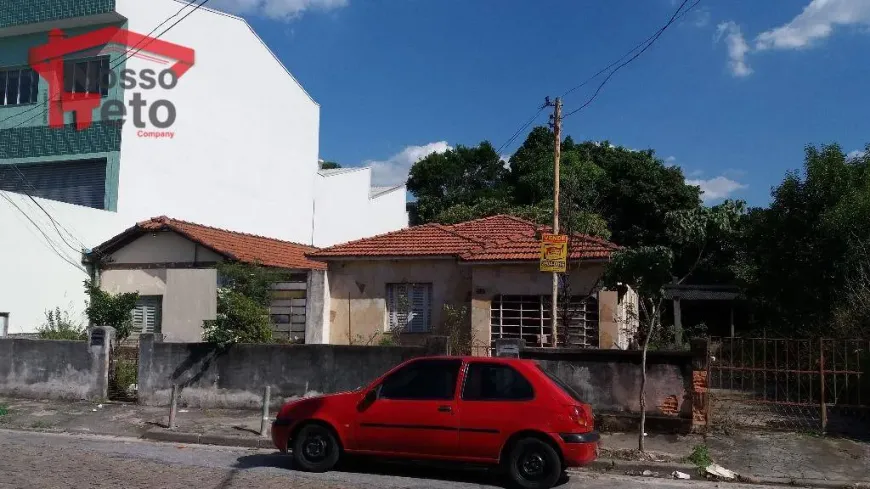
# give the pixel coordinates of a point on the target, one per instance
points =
(820, 385)
(124, 373)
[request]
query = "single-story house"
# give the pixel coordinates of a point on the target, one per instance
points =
(488, 267)
(172, 265)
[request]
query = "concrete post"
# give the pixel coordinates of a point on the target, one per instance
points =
(100, 342)
(144, 387)
(267, 398)
(173, 406)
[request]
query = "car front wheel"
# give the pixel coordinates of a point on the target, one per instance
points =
(533, 464)
(315, 448)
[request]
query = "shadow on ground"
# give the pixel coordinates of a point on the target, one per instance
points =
(415, 470)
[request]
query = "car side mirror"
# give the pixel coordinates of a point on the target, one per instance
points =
(368, 399)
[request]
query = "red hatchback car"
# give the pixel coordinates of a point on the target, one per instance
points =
(497, 411)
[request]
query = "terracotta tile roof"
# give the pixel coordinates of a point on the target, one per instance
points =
(425, 240)
(243, 247)
(496, 238)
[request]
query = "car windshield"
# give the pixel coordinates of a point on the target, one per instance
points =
(567, 389)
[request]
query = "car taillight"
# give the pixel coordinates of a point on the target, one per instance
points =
(581, 417)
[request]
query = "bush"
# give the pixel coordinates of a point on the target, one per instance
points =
(105, 309)
(60, 326)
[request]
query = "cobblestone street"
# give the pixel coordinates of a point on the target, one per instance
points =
(38, 460)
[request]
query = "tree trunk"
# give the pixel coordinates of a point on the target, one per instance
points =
(653, 321)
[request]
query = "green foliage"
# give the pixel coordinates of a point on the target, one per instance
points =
(329, 165)
(606, 191)
(801, 259)
(462, 175)
(105, 309)
(4, 410)
(700, 456)
(242, 305)
(456, 327)
(60, 326)
(126, 373)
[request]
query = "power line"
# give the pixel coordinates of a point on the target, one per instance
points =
(627, 54)
(51, 243)
(128, 54)
(44, 103)
(649, 44)
(520, 130)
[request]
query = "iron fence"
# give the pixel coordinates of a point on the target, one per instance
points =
(820, 385)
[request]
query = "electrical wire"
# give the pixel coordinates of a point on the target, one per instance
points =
(520, 130)
(51, 243)
(647, 45)
(44, 103)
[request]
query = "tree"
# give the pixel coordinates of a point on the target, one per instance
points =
(648, 269)
(242, 305)
(462, 175)
(105, 309)
(614, 192)
(59, 325)
(798, 257)
(329, 165)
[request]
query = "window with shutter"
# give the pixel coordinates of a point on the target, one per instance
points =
(146, 315)
(409, 307)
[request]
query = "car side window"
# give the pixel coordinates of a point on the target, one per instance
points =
(422, 380)
(495, 382)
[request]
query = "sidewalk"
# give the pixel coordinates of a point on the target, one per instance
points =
(769, 457)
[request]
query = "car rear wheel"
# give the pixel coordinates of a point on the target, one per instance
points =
(533, 464)
(315, 448)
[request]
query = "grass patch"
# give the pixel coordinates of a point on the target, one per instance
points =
(700, 456)
(4, 410)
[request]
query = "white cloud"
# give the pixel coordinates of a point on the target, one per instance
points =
(816, 22)
(702, 18)
(738, 48)
(394, 170)
(670, 159)
(276, 9)
(855, 154)
(717, 188)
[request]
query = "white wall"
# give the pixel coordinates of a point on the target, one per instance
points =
(33, 278)
(246, 138)
(345, 210)
(244, 157)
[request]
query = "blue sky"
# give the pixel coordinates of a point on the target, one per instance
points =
(732, 93)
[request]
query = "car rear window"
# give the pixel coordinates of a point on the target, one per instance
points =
(567, 389)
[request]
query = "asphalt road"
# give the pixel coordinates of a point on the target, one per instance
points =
(38, 460)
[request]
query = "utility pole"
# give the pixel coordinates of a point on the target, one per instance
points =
(557, 155)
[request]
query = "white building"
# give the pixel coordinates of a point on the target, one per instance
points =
(243, 151)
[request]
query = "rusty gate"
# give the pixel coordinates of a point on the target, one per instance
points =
(818, 385)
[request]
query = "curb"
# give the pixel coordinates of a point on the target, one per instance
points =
(198, 439)
(667, 468)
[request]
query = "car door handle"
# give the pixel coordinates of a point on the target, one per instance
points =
(445, 409)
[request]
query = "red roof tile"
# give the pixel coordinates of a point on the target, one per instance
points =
(243, 247)
(425, 240)
(496, 238)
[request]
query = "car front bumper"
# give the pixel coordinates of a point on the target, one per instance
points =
(281, 434)
(579, 449)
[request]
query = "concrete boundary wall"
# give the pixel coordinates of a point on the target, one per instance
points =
(609, 380)
(48, 369)
(234, 377)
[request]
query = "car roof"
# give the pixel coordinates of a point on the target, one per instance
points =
(477, 359)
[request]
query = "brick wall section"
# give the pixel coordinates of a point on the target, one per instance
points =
(670, 406)
(699, 399)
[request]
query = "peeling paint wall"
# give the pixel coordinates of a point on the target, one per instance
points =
(357, 292)
(46, 369)
(235, 377)
(609, 380)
